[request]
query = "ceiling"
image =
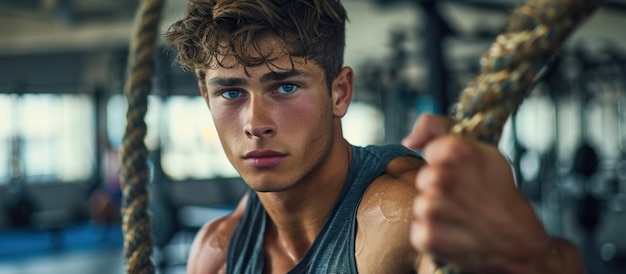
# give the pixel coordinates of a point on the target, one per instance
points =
(36, 26)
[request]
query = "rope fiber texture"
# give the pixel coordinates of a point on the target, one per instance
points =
(135, 173)
(535, 32)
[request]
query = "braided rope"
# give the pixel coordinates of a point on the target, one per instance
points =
(535, 32)
(134, 176)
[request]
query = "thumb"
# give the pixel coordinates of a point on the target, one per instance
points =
(426, 128)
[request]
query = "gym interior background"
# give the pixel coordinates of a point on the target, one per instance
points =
(62, 116)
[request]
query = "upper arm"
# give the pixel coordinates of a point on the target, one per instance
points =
(206, 254)
(385, 214)
(209, 248)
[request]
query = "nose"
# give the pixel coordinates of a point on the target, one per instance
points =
(259, 122)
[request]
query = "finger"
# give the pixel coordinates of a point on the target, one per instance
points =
(434, 179)
(429, 208)
(447, 244)
(427, 127)
(436, 208)
(450, 149)
(438, 200)
(444, 241)
(456, 183)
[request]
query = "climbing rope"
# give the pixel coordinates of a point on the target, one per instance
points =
(135, 174)
(534, 34)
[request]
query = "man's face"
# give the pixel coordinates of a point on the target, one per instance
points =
(276, 125)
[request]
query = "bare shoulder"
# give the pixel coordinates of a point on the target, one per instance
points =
(396, 186)
(210, 245)
(383, 218)
(390, 197)
(402, 168)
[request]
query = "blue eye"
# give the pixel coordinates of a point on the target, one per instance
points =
(287, 88)
(231, 94)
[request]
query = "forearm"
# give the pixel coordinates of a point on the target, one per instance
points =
(562, 257)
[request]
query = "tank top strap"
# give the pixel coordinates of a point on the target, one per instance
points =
(333, 249)
(245, 249)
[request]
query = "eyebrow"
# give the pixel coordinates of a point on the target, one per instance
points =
(268, 77)
(227, 81)
(279, 76)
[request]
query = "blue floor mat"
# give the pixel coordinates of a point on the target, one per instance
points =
(18, 243)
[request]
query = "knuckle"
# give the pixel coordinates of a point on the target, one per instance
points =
(427, 117)
(427, 121)
(425, 209)
(422, 122)
(426, 239)
(434, 180)
(434, 119)
(457, 150)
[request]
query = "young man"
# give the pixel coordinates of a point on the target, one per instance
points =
(272, 75)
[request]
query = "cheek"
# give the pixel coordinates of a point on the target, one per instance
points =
(227, 132)
(303, 113)
(226, 123)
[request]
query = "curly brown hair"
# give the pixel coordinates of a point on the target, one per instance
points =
(212, 29)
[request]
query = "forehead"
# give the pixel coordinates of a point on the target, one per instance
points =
(269, 54)
(278, 64)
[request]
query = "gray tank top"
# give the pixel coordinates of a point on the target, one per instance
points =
(333, 249)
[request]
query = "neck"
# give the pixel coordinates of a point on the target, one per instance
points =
(297, 215)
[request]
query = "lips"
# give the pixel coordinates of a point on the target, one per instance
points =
(264, 158)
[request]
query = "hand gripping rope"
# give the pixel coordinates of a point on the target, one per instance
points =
(536, 31)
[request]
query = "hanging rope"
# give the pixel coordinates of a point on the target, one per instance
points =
(134, 176)
(534, 33)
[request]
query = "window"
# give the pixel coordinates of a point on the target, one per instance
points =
(363, 124)
(6, 134)
(536, 123)
(52, 135)
(116, 120)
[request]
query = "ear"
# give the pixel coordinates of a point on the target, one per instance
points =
(341, 92)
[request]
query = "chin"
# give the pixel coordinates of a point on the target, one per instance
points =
(271, 188)
(269, 182)
(270, 185)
